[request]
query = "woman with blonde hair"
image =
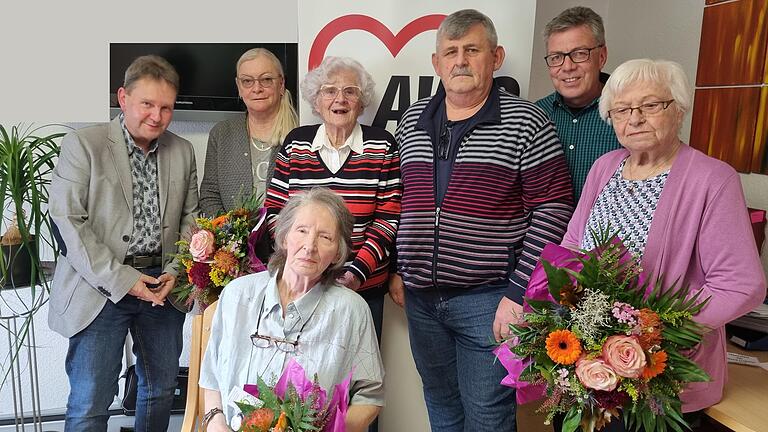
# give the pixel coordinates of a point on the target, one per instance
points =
(241, 152)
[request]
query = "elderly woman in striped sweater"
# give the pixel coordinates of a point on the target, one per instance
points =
(360, 163)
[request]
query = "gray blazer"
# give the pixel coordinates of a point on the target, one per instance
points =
(91, 203)
(228, 171)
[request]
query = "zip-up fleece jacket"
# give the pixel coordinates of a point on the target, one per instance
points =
(509, 195)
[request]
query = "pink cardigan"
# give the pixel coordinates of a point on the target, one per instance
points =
(700, 233)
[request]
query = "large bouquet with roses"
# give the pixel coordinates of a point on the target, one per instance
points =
(294, 404)
(600, 341)
(219, 250)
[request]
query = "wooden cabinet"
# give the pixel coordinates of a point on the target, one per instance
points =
(731, 102)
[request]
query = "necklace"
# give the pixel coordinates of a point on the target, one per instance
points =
(256, 139)
(261, 148)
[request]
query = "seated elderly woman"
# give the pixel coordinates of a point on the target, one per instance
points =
(679, 211)
(297, 311)
(360, 163)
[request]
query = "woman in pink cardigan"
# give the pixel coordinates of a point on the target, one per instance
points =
(681, 212)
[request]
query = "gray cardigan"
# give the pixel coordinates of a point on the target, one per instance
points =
(228, 171)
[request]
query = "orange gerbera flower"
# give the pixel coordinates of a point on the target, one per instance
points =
(225, 261)
(656, 364)
(650, 328)
(219, 221)
(282, 423)
(563, 347)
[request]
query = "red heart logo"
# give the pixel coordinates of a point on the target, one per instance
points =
(373, 26)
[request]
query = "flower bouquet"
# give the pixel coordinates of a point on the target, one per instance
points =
(294, 404)
(599, 339)
(219, 250)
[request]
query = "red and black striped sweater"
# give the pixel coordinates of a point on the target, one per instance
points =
(368, 182)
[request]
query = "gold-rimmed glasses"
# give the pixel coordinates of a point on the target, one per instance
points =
(265, 341)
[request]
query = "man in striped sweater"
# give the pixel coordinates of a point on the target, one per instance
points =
(486, 186)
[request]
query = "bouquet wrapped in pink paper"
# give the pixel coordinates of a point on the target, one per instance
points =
(295, 404)
(600, 341)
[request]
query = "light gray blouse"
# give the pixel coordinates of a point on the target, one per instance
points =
(332, 324)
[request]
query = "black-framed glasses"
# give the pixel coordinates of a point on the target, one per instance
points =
(649, 108)
(579, 55)
(265, 82)
(444, 141)
(266, 341)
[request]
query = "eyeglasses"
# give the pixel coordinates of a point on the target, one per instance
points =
(284, 345)
(265, 341)
(264, 82)
(579, 55)
(444, 144)
(331, 92)
(646, 109)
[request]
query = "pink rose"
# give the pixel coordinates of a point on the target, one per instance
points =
(201, 245)
(625, 355)
(595, 374)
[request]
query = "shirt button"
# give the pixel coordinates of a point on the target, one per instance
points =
(571, 147)
(290, 316)
(575, 120)
(245, 154)
(126, 238)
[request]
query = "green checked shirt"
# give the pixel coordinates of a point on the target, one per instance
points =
(584, 136)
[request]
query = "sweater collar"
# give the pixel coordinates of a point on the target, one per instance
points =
(433, 113)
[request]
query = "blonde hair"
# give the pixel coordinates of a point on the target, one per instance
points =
(286, 119)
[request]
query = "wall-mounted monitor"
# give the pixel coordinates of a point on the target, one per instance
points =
(207, 73)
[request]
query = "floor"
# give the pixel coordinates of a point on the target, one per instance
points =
(118, 423)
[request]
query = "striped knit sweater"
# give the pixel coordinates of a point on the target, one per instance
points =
(509, 195)
(368, 182)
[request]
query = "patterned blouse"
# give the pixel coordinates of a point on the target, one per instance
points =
(626, 206)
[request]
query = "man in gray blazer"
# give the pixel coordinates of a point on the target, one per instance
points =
(121, 194)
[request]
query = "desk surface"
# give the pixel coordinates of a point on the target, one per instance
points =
(743, 408)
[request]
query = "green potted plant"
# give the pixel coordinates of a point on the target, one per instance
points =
(27, 159)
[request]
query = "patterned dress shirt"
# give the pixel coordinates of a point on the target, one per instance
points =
(146, 237)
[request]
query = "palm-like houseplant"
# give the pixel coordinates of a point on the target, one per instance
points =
(27, 159)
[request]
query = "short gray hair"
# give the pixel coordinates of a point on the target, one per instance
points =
(332, 202)
(310, 86)
(662, 72)
(458, 24)
(576, 17)
(153, 67)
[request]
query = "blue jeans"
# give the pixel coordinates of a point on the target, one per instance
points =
(451, 334)
(94, 360)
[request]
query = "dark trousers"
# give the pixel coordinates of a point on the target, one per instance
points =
(376, 303)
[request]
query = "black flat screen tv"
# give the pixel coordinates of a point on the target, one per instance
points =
(206, 70)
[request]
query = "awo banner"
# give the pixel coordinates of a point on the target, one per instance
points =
(394, 41)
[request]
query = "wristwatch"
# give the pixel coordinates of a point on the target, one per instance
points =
(209, 415)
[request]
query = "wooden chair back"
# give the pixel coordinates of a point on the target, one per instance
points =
(201, 331)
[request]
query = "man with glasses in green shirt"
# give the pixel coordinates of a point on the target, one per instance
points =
(576, 54)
